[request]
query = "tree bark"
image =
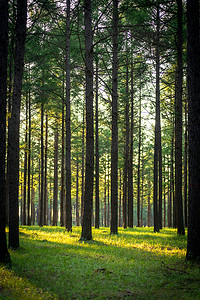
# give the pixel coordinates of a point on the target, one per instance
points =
(186, 168)
(62, 191)
(193, 56)
(55, 188)
(68, 125)
(130, 165)
(139, 162)
(41, 202)
(157, 126)
(25, 166)
(97, 152)
(114, 142)
(89, 171)
(29, 161)
(178, 125)
(13, 135)
(77, 193)
(45, 174)
(4, 254)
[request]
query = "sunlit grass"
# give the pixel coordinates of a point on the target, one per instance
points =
(52, 263)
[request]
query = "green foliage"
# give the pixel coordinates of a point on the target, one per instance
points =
(137, 263)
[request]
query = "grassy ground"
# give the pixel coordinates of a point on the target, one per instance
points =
(135, 264)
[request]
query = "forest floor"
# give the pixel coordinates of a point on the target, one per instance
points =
(136, 264)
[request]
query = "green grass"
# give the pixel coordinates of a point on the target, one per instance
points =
(136, 264)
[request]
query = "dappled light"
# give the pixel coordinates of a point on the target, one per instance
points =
(54, 263)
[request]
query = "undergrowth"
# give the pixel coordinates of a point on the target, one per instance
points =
(52, 263)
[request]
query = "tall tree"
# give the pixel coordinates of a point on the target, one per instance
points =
(130, 165)
(89, 171)
(29, 161)
(178, 123)
(193, 56)
(45, 173)
(68, 222)
(4, 255)
(97, 150)
(41, 202)
(25, 166)
(13, 135)
(114, 142)
(55, 187)
(157, 150)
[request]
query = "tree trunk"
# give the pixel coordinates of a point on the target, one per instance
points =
(4, 255)
(186, 168)
(45, 174)
(29, 161)
(157, 126)
(89, 171)
(178, 125)
(41, 202)
(68, 125)
(149, 203)
(120, 198)
(13, 135)
(193, 50)
(62, 191)
(138, 171)
(25, 165)
(130, 165)
(77, 192)
(55, 187)
(114, 142)
(105, 223)
(97, 153)
(83, 166)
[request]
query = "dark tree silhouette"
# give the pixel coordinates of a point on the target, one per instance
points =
(4, 255)
(13, 134)
(89, 170)
(114, 143)
(193, 51)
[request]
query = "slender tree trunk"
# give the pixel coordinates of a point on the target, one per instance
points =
(45, 174)
(149, 203)
(186, 168)
(178, 125)
(105, 209)
(164, 204)
(142, 195)
(120, 197)
(83, 166)
(41, 202)
(97, 153)
(32, 200)
(77, 192)
(89, 171)
(25, 166)
(130, 165)
(157, 126)
(114, 142)
(139, 161)
(193, 51)
(108, 207)
(55, 188)
(68, 125)
(62, 192)
(4, 255)
(29, 162)
(13, 135)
